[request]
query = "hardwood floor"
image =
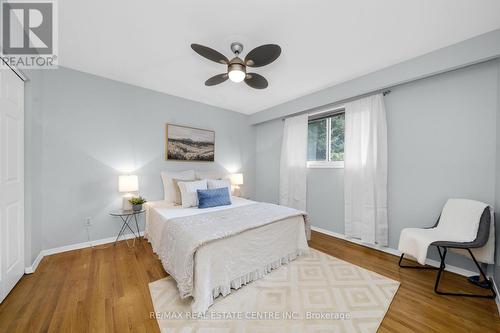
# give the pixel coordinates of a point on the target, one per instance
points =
(105, 289)
(416, 308)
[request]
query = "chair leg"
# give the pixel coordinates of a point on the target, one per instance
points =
(414, 267)
(441, 269)
(442, 266)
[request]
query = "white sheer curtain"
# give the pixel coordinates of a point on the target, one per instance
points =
(365, 170)
(293, 166)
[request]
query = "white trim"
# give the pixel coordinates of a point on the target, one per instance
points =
(325, 164)
(497, 299)
(328, 163)
(394, 252)
(31, 269)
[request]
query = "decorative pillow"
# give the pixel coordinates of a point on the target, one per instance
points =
(214, 197)
(188, 190)
(219, 183)
(178, 199)
(209, 175)
(168, 184)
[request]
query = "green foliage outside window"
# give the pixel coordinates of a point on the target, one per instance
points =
(337, 137)
(316, 148)
(318, 143)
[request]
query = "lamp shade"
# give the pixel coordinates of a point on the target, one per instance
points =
(128, 183)
(237, 179)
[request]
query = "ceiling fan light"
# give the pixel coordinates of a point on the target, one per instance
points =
(236, 72)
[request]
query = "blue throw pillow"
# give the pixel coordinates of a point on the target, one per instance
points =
(213, 198)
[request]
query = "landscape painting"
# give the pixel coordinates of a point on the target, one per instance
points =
(189, 144)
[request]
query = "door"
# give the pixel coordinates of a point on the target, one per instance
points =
(11, 180)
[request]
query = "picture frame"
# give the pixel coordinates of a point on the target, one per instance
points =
(189, 144)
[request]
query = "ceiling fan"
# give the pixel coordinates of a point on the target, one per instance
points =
(236, 67)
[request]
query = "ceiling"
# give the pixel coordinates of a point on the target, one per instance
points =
(324, 42)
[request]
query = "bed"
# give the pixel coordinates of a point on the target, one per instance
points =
(211, 251)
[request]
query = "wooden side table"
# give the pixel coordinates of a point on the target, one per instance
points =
(126, 217)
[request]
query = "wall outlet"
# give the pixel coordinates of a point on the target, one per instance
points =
(88, 222)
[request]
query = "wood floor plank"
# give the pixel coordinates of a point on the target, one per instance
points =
(105, 289)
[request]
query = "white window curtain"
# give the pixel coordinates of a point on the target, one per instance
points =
(365, 170)
(293, 166)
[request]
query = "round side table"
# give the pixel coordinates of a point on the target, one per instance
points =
(126, 217)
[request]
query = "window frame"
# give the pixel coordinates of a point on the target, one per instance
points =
(327, 164)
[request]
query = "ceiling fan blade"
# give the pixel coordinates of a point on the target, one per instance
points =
(262, 55)
(210, 53)
(256, 81)
(216, 79)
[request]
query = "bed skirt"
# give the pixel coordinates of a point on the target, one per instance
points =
(255, 275)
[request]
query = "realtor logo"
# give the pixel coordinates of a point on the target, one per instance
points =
(29, 33)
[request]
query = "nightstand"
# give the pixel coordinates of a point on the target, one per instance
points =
(126, 217)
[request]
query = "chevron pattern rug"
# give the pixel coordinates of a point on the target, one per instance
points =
(314, 293)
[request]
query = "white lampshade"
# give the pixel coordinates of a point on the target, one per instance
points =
(128, 183)
(237, 179)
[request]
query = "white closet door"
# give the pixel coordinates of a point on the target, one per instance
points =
(11, 181)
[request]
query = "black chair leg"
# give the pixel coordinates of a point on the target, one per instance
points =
(441, 269)
(414, 267)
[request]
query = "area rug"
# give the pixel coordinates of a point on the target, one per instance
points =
(314, 293)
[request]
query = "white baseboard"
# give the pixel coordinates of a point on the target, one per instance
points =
(31, 269)
(497, 299)
(394, 252)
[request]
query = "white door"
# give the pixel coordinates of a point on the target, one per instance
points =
(11, 180)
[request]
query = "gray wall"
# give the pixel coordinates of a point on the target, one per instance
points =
(441, 144)
(325, 187)
(497, 180)
(83, 131)
(267, 162)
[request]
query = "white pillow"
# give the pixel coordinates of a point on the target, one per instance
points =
(209, 175)
(168, 184)
(189, 194)
(218, 183)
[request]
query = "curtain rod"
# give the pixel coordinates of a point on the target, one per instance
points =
(333, 105)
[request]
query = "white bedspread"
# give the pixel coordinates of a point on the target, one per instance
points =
(158, 212)
(195, 249)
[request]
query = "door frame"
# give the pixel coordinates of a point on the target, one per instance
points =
(5, 66)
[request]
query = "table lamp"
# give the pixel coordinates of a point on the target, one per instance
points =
(128, 184)
(236, 181)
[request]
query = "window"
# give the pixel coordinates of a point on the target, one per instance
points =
(325, 141)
